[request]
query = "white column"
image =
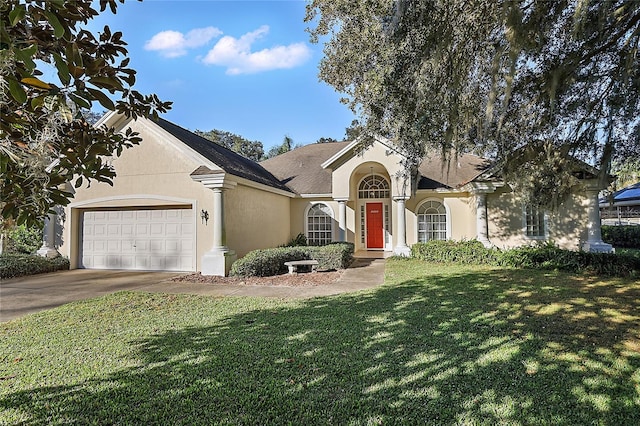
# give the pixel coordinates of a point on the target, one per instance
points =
(401, 238)
(48, 248)
(594, 241)
(342, 220)
(219, 237)
(482, 227)
(218, 260)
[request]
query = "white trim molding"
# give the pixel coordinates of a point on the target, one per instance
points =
(306, 218)
(447, 210)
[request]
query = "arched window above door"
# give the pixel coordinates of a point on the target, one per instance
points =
(373, 186)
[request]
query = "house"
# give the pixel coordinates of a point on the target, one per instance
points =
(622, 207)
(180, 202)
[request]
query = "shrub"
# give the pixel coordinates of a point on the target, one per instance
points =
(267, 262)
(332, 256)
(622, 236)
(24, 240)
(545, 256)
(16, 265)
(472, 251)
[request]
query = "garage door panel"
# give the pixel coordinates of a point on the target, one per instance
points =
(139, 239)
(156, 229)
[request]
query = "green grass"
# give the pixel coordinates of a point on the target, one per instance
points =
(437, 344)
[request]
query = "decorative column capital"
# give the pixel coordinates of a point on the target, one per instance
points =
(215, 180)
(400, 198)
(481, 187)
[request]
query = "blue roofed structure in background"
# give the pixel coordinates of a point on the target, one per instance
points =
(622, 207)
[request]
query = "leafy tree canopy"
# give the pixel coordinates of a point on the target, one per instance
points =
(326, 140)
(45, 141)
(286, 146)
(529, 83)
(252, 150)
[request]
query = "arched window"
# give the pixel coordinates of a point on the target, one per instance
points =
(319, 225)
(432, 221)
(373, 186)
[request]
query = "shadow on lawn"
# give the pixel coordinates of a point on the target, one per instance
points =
(485, 347)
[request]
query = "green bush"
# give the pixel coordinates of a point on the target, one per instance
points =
(16, 265)
(622, 236)
(545, 256)
(24, 240)
(472, 251)
(268, 262)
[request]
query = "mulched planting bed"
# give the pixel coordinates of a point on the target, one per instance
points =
(284, 280)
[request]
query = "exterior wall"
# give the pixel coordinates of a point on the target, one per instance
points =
(461, 214)
(150, 174)
(358, 166)
(566, 227)
(300, 207)
(255, 219)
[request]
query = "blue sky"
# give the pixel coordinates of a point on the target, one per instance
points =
(246, 67)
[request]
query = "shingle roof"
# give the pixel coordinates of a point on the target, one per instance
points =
(301, 169)
(228, 160)
(437, 173)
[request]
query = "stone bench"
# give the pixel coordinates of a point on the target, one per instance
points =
(293, 265)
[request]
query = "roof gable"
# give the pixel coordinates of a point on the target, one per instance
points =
(229, 161)
(301, 169)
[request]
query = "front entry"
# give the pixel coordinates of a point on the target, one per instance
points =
(375, 228)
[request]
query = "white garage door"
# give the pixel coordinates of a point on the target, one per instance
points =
(150, 240)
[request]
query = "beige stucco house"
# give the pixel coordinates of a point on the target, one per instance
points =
(180, 202)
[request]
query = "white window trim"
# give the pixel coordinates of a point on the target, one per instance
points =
(544, 237)
(306, 218)
(442, 201)
(368, 176)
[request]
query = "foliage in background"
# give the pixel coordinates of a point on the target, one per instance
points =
(286, 146)
(545, 256)
(252, 150)
(268, 262)
(530, 84)
(45, 141)
(24, 239)
(622, 236)
(17, 265)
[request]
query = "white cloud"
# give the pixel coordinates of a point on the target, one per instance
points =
(172, 44)
(236, 55)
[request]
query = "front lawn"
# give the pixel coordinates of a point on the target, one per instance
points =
(436, 344)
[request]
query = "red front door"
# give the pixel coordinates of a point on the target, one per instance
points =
(375, 230)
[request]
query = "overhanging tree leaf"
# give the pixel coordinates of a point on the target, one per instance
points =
(45, 143)
(494, 77)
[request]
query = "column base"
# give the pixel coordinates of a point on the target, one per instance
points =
(404, 251)
(47, 252)
(218, 262)
(598, 247)
(486, 243)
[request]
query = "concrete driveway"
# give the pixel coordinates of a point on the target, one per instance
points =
(25, 295)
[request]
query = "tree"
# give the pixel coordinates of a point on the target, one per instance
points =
(326, 140)
(286, 146)
(45, 141)
(531, 84)
(353, 131)
(252, 150)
